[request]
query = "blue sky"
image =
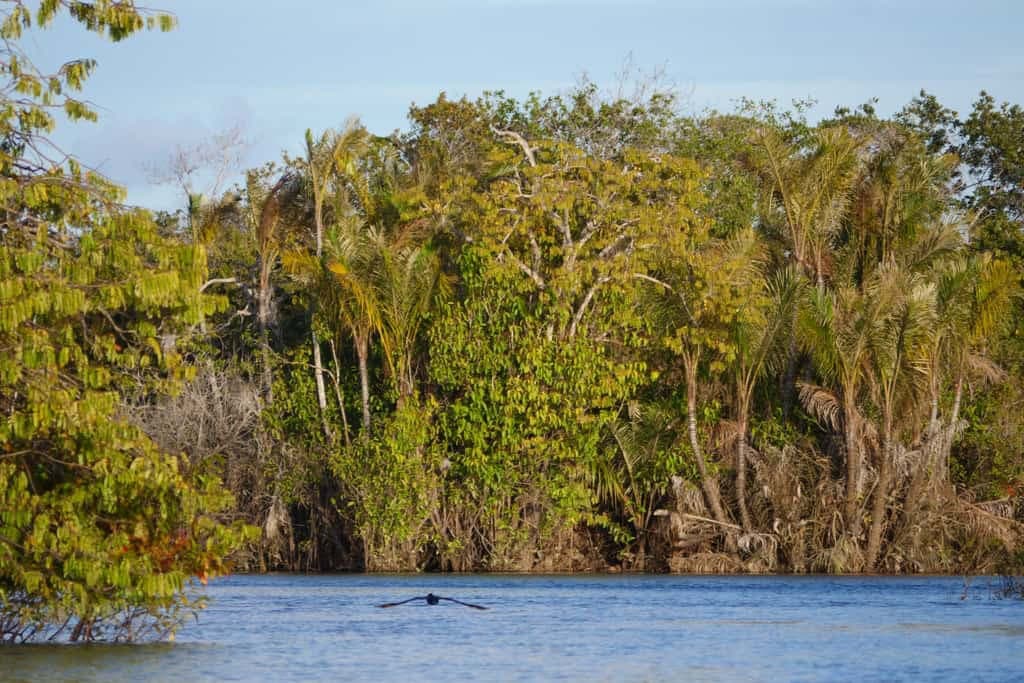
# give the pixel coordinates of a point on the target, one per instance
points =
(277, 68)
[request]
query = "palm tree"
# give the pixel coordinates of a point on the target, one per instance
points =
(633, 472)
(974, 299)
(757, 335)
(352, 256)
(408, 279)
(901, 195)
(810, 176)
(699, 298)
(811, 182)
(265, 207)
(330, 160)
(897, 375)
(836, 326)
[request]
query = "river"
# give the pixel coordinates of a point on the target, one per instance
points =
(567, 628)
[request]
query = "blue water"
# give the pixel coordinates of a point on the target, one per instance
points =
(568, 628)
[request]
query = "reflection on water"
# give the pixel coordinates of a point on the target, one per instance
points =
(621, 628)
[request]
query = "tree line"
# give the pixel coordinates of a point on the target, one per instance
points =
(573, 332)
(579, 331)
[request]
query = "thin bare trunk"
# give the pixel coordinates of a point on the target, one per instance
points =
(318, 363)
(741, 465)
(954, 419)
(788, 381)
(934, 466)
(851, 507)
(336, 377)
(263, 320)
(318, 208)
(708, 483)
(321, 390)
(880, 501)
(362, 353)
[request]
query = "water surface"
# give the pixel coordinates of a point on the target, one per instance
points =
(567, 628)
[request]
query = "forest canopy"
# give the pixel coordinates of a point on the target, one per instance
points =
(579, 332)
(573, 332)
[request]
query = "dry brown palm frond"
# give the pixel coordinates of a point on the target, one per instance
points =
(724, 437)
(784, 477)
(685, 532)
(277, 532)
(905, 462)
(869, 477)
(705, 563)
(1004, 507)
(844, 557)
(867, 430)
(798, 500)
(765, 545)
(984, 523)
(688, 498)
(821, 403)
(985, 369)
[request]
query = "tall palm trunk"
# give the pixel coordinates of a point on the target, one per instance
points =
(318, 363)
(709, 484)
(321, 391)
(362, 344)
(743, 418)
(264, 299)
(942, 466)
(851, 506)
(933, 466)
(336, 376)
(879, 503)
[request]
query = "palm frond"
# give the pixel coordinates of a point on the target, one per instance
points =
(822, 404)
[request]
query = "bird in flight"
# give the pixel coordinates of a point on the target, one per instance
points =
(431, 600)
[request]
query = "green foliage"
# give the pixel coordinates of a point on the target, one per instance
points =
(988, 460)
(99, 531)
(391, 482)
(525, 417)
(98, 522)
(583, 316)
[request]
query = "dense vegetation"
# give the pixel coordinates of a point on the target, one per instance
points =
(568, 333)
(582, 331)
(99, 529)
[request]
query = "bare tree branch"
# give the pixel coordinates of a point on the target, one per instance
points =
(514, 137)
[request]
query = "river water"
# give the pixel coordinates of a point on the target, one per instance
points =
(568, 628)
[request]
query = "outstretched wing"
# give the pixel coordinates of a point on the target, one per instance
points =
(463, 603)
(396, 604)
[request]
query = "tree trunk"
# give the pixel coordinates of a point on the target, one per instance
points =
(362, 352)
(787, 386)
(880, 502)
(851, 507)
(954, 418)
(263, 320)
(932, 449)
(708, 483)
(935, 463)
(321, 391)
(405, 382)
(338, 394)
(741, 464)
(318, 363)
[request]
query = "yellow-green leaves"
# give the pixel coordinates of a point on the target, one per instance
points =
(94, 519)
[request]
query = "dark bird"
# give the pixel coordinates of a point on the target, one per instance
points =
(431, 600)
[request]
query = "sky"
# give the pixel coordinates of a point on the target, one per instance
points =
(277, 68)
